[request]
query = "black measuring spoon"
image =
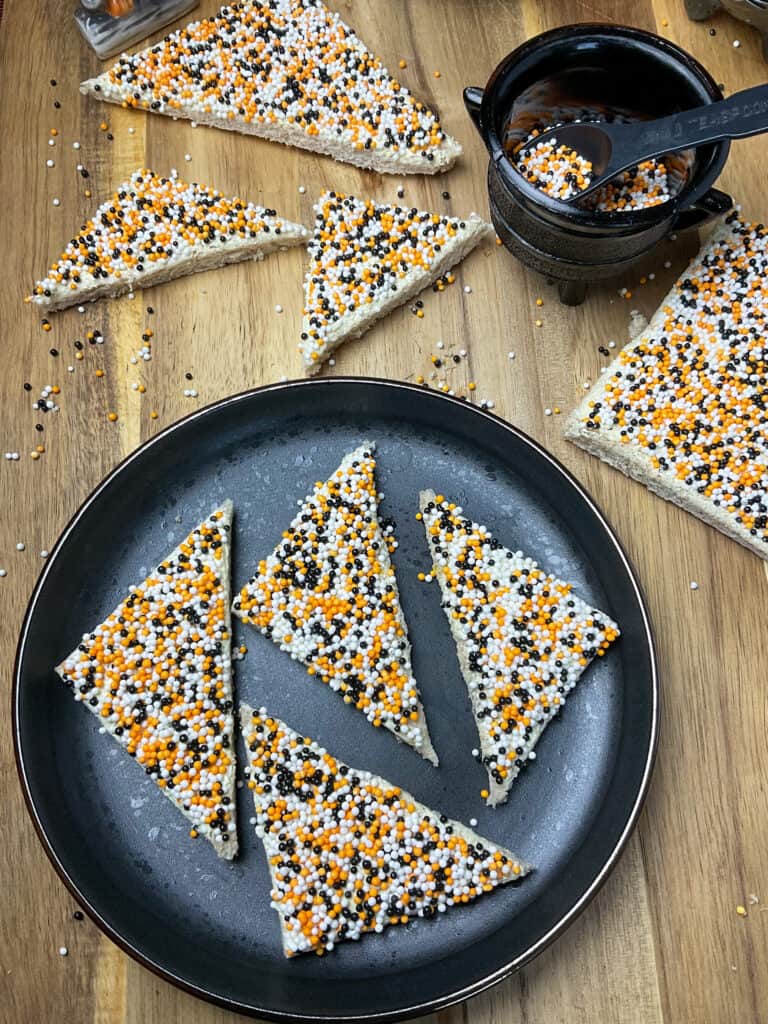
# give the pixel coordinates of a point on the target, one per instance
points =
(612, 148)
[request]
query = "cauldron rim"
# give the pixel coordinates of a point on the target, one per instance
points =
(544, 206)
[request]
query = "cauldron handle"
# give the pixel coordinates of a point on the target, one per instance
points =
(473, 99)
(711, 205)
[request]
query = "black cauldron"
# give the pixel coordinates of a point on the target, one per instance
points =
(592, 71)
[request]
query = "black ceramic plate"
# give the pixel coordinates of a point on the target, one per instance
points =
(206, 924)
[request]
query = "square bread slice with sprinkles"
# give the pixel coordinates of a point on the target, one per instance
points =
(523, 638)
(157, 674)
(684, 407)
(154, 229)
(327, 595)
(290, 71)
(350, 853)
(366, 259)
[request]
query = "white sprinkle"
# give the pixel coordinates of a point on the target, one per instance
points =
(44, 553)
(131, 130)
(79, 167)
(70, 369)
(302, 190)
(187, 157)
(587, 385)
(278, 308)
(473, 822)
(463, 353)
(467, 289)
(75, 145)
(490, 404)
(651, 277)
(694, 585)
(131, 295)
(49, 163)
(193, 124)
(510, 355)
(441, 344)
(81, 309)
(134, 360)
(51, 142)
(667, 264)
(532, 755)
(20, 546)
(134, 386)
(63, 951)
(331, 362)
(611, 344)
(673, 238)
(57, 202)
(736, 43)
(547, 412)
(475, 752)
(3, 573)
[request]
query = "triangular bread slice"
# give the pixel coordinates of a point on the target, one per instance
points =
(366, 259)
(328, 596)
(290, 71)
(154, 229)
(523, 638)
(157, 674)
(349, 852)
(682, 409)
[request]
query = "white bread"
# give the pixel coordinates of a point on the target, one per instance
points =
(634, 460)
(321, 803)
(329, 278)
(262, 602)
(465, 560)
(97, 685)
(189, 257)
(337, 131)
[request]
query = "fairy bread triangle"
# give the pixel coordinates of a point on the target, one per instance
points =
(682, 408)
(349, 852)
(157, 675)
(523, 638)
(366, 259)
(290, 71)
(154, 229)
(327, 595)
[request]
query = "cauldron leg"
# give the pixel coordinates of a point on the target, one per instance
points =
(572, 293)
(700, 10)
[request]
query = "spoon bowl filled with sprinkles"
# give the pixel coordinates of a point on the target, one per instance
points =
(564, 173)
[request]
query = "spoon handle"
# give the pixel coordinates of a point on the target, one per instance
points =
(741, 115)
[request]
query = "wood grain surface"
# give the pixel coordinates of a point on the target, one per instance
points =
(663, 941)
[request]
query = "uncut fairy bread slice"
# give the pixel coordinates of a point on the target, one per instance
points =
(366, 259)
(683, 409)
(154, 229)
(523, 637)
(290, 71)
(328, 596)
(349, 852)
(157, 675)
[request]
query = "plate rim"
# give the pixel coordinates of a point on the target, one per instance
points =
(457, 995)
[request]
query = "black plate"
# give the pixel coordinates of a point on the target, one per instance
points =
(206, 924)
